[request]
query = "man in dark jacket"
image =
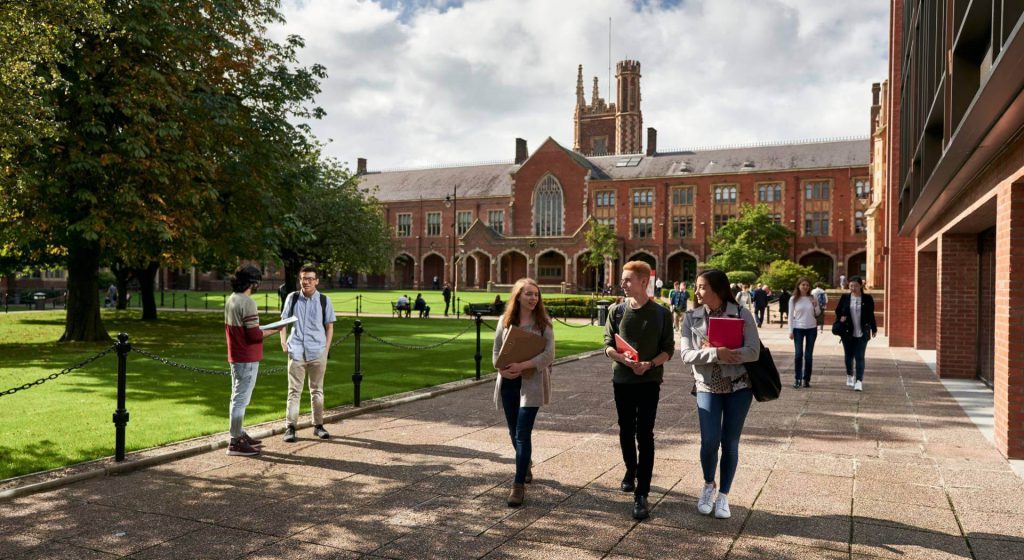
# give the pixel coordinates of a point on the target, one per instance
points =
(760, 297)
(784, 296)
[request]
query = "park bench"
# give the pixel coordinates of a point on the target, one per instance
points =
(483, 309)
(396, 312)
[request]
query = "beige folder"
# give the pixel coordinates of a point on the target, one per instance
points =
(519, 346)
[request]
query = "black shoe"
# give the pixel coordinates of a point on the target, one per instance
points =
(320, 432)
(628, 482)
(640, 509)
(807, 383)
(289, 433)
(797, 385)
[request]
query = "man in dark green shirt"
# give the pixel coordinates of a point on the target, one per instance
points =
(646, 326)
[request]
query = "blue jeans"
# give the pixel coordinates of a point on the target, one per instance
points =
(520, 421)
(243, 380)
(853, 351)
(721, 423)
(804, 356)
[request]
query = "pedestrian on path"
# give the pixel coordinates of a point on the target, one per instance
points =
(677, 299)
(803, 330)
(760, 297)
(245, 351)
(721, 385)
(446, 293)
(307, 348)
(636, 380)
(819, 294)
(856, 312)
(523, 387)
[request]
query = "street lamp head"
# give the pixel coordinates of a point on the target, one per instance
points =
(447, 201)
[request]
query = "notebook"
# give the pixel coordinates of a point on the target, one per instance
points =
(626, 349)
(725, 332)
(520, 345)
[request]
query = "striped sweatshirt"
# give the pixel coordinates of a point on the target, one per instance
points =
(242, 328)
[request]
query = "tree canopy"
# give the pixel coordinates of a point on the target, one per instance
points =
(172, 123)
(749, 242)
(784, 273)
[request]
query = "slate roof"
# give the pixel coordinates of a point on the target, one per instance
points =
(495, 180)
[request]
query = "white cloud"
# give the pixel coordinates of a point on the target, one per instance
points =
(429, 81)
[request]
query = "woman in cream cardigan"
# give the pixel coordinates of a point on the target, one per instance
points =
(522, 388)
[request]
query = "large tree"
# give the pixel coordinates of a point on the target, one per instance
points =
(749, 242)
(602, 247)
(333, 223)
(172, 121)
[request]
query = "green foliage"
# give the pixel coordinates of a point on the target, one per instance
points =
(784, 274)
(741, 277)
(749, 242)
(601, 244)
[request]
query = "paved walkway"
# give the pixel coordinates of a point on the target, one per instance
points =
(897, 471)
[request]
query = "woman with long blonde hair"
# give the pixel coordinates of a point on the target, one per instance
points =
(522, 387)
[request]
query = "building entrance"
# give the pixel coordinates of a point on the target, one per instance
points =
(986, 305)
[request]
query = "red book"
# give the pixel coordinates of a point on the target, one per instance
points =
(725, 332)
(624, 348)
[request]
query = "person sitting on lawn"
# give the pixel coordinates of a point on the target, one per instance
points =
(421, 306)
(498, 305)
(402, 305)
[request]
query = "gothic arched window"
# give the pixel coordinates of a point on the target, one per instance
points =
(548, 213)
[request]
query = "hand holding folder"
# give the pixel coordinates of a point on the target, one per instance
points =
(725, 332)
(520, 346)
(626, 349)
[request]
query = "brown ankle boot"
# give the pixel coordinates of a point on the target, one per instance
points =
(517, 495)
(529, 474)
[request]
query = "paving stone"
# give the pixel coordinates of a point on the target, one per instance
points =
(819, 531)
(434, 544)
(209, 542)
(906, 543)
(520, 549)
(658, 541)
(990, 525)
(896, 472)
(356, 532)
(900, 493)
(987, 500)
(290, 549)
(758, 549)
(940, 520)
(599, 532)
(123, 532)
(63, 551)
(14, 544)
(988, 549)
(817, 464)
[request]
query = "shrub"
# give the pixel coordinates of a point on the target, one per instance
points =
(784, 274)
(741, 277)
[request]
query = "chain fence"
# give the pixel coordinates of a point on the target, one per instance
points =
(572, 325)
(64, 371)
(469, 325)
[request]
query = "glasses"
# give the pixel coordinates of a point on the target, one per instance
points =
(308, 279)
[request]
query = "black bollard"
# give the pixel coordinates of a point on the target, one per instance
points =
(479, 321)
(458, 307)
(174, 300)
(206, 301)
(357, 377)
(359, 301)
(186, 301)
(121, 415)
(266, 303)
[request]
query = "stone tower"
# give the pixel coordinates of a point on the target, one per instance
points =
(602, 129)
(629, 121)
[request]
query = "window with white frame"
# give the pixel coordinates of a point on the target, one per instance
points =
(433, 224)
(465, 219)
(862, 188)
(404, 226)
(643, 228)
(858, 222)
(496, 220)
(816, 223)
(682, 227)
(548, 213)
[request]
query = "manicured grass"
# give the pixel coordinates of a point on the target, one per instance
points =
(68, 420)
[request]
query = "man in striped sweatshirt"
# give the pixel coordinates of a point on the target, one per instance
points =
(245, 350)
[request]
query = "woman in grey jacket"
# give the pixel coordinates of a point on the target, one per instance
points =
(522, 388)
(721, 385)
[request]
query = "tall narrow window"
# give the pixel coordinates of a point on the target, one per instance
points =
(604, 208)
(548, 212)
(496, 219)
(770, 194)
(642, 213)
(817, 204)
(724, 206)
(465, 219)
(433, 224)
(404, 228)
(682, 213)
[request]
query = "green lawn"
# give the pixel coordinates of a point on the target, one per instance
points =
(68, 420)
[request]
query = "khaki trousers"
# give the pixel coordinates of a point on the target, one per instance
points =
(298, 372)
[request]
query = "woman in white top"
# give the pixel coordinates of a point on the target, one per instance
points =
(803, 330)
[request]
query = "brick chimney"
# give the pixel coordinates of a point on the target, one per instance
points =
(521, 152)
(361, 166)
(652, 141)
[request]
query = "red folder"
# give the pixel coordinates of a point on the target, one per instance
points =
(624, 348)
(725, 332)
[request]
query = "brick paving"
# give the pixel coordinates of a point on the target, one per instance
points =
(897, 471)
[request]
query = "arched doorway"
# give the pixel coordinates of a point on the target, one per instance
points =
(822, 263)
(511, 267)
(857, 265)
(681, 267)
(646, 257)
(433, 265)
(483, 269)
(551, 268)
(405, 270)
(470, 265)
(587, 278)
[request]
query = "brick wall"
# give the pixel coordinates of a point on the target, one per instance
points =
(957, 306)
(1009, 347)
(927, 294)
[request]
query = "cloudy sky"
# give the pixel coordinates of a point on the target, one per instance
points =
(424, 82)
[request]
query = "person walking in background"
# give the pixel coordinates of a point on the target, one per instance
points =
(522, 388)
(760, 297)
(721, 385)
(803, 330)
(447, 294)
(822, 297)
(636, 380)
(744, 298)
(307, 348)
(856, 314)
(784, 296)
(111, 296)
(245, 351)
(677, 299)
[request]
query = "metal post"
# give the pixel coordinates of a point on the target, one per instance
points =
(121, 415)
(174, 300)
(458, 307)
(357, 377)
(224, 303)
(206, 301)
(186, 301)
(359, 303)
(266, 303)
(479, 321)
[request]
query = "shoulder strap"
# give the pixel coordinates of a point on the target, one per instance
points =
(323, 309)
(291, 302)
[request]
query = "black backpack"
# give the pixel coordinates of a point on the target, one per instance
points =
(323, 305)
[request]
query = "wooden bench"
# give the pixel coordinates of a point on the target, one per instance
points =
(396, 312)
(483, 309)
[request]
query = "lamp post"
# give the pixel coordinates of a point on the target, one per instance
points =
(452, 201)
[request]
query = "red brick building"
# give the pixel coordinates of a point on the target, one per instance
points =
(529, 216)
(954, 143)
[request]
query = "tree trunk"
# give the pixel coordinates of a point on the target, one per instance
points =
(147, 279)
(82, 322)
(121, 277)
(292, 263)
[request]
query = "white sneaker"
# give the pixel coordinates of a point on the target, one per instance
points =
(858, 386)
(707, 497)
(849, 381)
(722, 507)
